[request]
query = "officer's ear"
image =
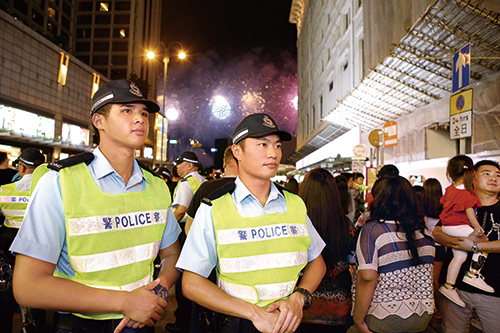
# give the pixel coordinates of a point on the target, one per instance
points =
(97, 120)
(237, 149)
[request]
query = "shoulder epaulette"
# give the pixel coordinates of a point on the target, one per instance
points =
(227, 188)
(144, 167)
(70, 161)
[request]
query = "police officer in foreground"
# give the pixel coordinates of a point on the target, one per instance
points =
(14, 198)
(94, 225)
(258, 237)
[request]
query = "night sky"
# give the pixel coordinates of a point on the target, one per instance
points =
(243, 51)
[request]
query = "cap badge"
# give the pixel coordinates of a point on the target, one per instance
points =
(134, 89)
(268, 122)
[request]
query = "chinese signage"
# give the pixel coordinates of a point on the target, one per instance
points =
(390, 134)
(461, 115)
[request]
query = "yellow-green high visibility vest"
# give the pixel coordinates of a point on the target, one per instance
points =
(193, 183)
(112, 239)
(41, 170)
(260, 258)
(13, 203)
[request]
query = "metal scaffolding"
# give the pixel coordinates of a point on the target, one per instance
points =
(418, 69)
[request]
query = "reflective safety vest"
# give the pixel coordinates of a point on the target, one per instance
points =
(193, 183)
(13, 204)
(260, 258)
(112, 239)
(41, 170)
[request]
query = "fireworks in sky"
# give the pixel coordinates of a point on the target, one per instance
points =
(220, 108)
(212, 95)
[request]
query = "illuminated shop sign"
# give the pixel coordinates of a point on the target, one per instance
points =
(26, 123)
(75, 135)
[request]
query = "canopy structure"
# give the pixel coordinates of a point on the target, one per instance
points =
(418, 70)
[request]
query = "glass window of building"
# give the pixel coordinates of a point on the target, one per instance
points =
(21, 6)
(104, 6)
(65, 23)
(52, 13)
(84, 6)
(84, 58)
(52, 28)
(66, 9)
(101, 33)
(100, 60)
(83, 33)
(120, 33)
(101, 46)
(82, 47)
(37, 17)
(103, 19)
(120, 46)
(84, 19)
(40, 3)
(122, 19)
(119, 61)
(122, 6)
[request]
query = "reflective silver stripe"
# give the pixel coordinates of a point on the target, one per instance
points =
(14, 212)
(105, 223)
(264, 261)
(232, 236)
(118, 258)
(239, 291)
(128, 287)
(14, 198)
(13, 224)
(240, 134)
(258, 292)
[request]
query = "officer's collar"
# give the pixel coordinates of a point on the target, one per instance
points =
(190, 174)
(102, 167)
(241, 191)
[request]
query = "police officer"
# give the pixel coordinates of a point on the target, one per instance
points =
(187, 168)
(259, 239)
(14, 198)
(94, 225)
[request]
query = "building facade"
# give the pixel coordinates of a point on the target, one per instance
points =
(52, 64)
(113, 37)
(45, 94)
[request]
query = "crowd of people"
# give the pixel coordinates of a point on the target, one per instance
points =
(104, 239)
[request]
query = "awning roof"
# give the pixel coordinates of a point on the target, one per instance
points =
(418, 70)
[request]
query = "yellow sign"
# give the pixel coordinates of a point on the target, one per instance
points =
(461, 102)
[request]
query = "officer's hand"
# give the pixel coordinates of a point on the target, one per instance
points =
(142, 307)
(290, 313)
(126, 321)
(265, 321)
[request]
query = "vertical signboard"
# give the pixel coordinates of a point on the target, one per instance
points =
(461, 69)
(390, 134)
(461, 115)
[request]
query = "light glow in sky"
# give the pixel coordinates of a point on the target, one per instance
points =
(221, 108)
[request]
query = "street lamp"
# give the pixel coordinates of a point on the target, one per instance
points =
(166, 59)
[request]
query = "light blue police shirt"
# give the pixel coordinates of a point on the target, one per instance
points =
(199, 254)
(43, 232)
